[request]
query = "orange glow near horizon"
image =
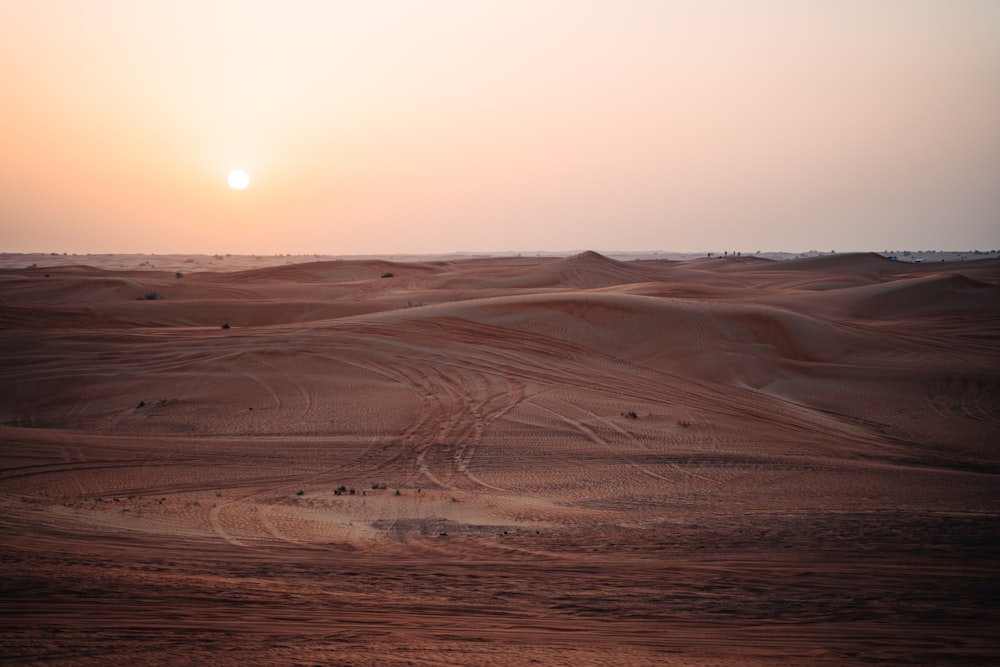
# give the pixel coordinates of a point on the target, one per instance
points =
(394, 127)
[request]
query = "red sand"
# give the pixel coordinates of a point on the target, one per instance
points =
(708, 462)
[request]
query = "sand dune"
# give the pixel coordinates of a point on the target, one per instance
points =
(941, 295)
(495, 461)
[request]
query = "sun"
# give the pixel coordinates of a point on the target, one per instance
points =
(238, 179)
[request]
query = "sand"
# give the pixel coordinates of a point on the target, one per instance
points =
(500, 461)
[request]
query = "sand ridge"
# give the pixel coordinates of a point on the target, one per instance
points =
(501, 460)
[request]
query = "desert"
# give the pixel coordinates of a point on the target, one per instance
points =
(499, 460)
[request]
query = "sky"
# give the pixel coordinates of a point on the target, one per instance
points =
(425, 126)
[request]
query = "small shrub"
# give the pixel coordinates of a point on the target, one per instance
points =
(149, 296)
(630, 415)
(388, 274)
(226, 325)
(684, 424)
(179, 275)
(300, 492)
(398, 493)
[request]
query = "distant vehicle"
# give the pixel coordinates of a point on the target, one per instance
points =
(918, 260)
(894, 258)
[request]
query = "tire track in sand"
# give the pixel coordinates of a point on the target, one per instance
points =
(596, 438)
(456, 406)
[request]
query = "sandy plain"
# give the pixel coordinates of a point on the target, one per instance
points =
(501, 461)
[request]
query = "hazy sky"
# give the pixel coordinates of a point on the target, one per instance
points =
(425, 126)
